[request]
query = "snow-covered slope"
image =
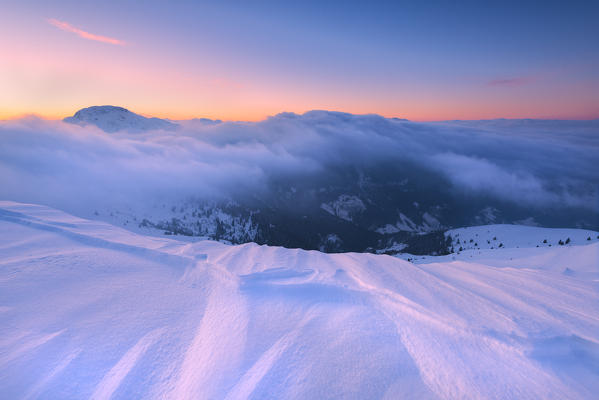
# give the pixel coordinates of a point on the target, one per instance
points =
(509, 236)
(113, 119)
(88, 310)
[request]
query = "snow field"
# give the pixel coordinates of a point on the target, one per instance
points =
(88, 310)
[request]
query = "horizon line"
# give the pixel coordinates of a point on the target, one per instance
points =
(55, 117)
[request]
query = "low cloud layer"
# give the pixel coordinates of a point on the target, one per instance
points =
(537, 163)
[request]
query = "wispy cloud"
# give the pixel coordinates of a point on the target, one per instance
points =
(65, 26)
(513, 82)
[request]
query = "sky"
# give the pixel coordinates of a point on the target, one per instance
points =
(247, 60)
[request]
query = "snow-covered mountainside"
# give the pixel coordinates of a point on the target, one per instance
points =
(88, 310)
(509, 236)
(112, 119)
(345, 207)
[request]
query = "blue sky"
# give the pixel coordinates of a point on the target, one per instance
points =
(246, 60)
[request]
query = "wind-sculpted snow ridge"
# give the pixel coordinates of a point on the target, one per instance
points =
(88, 310)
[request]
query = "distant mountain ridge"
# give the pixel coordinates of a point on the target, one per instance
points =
(113, 119)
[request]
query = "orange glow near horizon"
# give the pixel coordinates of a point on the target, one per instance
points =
(260, 116)
(55, 87)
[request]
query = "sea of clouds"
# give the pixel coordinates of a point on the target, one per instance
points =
(534, 162)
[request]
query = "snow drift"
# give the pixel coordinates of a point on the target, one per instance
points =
(88, 310)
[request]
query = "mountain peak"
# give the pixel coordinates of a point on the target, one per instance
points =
(112, 119)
